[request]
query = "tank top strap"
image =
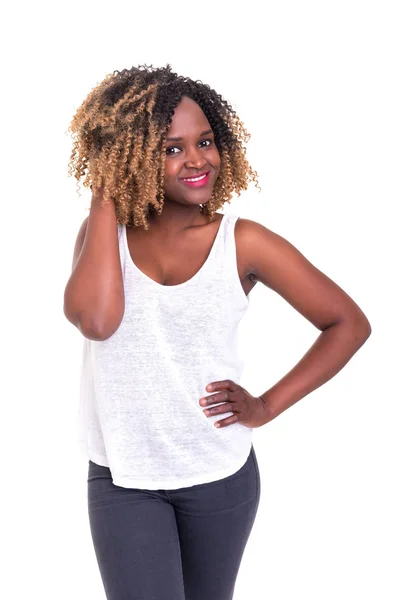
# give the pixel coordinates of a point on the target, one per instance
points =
(120, 227)
(226, 253)
(122, 253)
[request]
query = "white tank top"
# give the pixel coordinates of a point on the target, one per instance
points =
(139, 411)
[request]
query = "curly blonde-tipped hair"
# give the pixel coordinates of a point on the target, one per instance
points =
(120, 135)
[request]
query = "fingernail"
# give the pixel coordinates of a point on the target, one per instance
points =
(209, 387)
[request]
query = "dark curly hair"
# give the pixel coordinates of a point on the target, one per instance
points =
(119, 136)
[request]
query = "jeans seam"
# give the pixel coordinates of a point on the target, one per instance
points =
(258, 481)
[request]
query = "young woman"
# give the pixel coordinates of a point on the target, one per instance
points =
(159, 284)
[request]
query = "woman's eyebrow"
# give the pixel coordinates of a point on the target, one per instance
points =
(178, 139)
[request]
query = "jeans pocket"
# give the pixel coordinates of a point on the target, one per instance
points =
(244, 484)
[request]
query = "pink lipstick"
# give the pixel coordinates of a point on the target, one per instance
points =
(198, 181)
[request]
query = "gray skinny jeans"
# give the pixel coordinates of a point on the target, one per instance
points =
(183, 544)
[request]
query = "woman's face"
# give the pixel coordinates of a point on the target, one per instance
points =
(192, 155)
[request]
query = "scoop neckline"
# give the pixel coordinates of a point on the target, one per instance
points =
(178, 285)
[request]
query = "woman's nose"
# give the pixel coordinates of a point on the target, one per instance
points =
(194, 158)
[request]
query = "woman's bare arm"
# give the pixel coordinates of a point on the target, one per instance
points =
(94, 298)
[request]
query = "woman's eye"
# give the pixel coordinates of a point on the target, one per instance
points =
(170, 148)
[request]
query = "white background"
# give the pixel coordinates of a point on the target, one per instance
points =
(317, 86)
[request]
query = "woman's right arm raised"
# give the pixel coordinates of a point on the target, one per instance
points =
(94, 299)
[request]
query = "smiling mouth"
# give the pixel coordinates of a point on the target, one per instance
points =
(196, 181)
